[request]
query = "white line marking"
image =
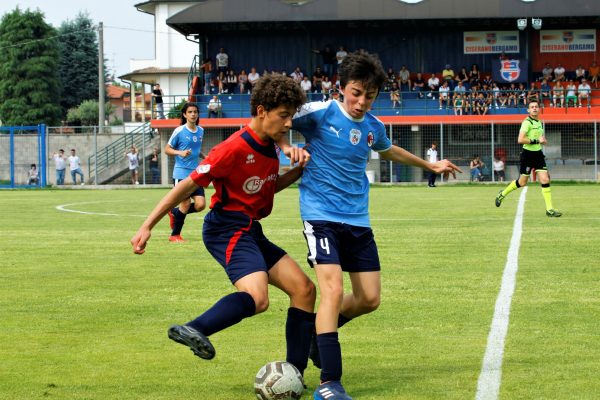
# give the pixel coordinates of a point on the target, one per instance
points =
(488, 386)
(63, 207)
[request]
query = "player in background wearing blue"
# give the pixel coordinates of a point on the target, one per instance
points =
(185, 144)
(244, 171)
(334, 206)
(531, 136)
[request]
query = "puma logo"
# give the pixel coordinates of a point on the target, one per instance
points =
(337, 131)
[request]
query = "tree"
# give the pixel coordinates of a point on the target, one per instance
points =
(87, 113)
(78, 65)
(29, 84)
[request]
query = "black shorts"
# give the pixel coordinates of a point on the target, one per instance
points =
(532, 160)
(238, 244)
(197, 192)
(351, 247)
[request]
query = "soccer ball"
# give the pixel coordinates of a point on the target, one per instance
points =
(278, 380)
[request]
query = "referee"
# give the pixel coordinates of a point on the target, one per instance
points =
(531, 136)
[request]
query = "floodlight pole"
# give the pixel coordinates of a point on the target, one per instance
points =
(101, 88)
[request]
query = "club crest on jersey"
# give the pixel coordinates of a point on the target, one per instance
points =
(203, 168)
(250, 159)
(355, 135)
(253, 184)
(370, 139)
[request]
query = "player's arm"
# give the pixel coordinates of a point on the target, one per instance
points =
(398, 154)
(170, 151)
(289, 177)
(294, 153)
(182, 191)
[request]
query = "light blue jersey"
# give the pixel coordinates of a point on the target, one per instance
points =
(182, 139)
(334, 184)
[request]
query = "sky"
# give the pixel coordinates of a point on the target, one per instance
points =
(128, 33)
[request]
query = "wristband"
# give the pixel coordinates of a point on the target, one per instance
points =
(534, 141)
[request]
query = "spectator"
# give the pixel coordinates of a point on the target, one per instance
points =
(522, 94)
(253, 77)
(329, 60)
(579, 73)
(559, 73)
(207, 68)
(432, 157)
(297, 75)
(474, 75)
(476, 167)
(60, 165)
(317, 78)
(460, 90)
(306, 85)
(444, 92)
(75, 167)
(583, 92)
(495, 95)
(533, 94)
(463, 76)
(215, 108)
(419, 84)
(33, 175)
(433, 84)
(488, 81)
(395, 94)
(243, 81)
(231, 81)
(391, 78)
(459, 103)
(545, 90)
(326, 87)
(547, 72)
(404, 78)
(481, 106)
(502, 97)
(221, 82)
(498, 169)
(155, 166)
(134, 162)
(339, 56)
(594, 72)
(558, 95)
(222, 61)
(447, 74)
(157, 93)
(571, 97)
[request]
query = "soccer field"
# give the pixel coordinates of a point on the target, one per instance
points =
(84, 318)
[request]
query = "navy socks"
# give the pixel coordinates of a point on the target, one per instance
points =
(226, 312)
(299, 328)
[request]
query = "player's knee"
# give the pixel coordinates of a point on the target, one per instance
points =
(332, 292)
(371, 303)
(307, 292)
(199, 206)
(262, 303)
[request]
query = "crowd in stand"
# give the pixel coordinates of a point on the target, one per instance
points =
(468, 91)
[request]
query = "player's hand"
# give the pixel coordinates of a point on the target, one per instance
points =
(543, 140)
(445, 167)
(139, 241)
(296, 155)
(186, 152)
(305, 157)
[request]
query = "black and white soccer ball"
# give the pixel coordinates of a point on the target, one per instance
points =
(278, 380)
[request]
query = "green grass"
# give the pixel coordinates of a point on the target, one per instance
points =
(84, 318)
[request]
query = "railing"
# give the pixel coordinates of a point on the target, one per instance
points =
(194, 71)
(114, 152)
(236, 105)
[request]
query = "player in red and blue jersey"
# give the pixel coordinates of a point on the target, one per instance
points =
(244, 171)
(334, 205)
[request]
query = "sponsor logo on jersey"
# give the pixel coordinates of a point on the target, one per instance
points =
(370, 139)
(250, 159)
(203, 168)
(253, 184)
(355, 135)
(336, 131)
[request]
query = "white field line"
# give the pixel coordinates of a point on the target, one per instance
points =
(488, 386)
(63, 207)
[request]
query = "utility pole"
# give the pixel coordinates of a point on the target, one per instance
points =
(101, 89)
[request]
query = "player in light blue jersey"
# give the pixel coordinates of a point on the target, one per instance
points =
(334, 206)
(185, 145)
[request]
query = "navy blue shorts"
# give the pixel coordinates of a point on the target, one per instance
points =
(351, 247)
(197, 192)
(238, 244)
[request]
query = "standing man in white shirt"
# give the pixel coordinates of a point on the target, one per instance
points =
(60, 165)
(432, 157)
(222, 61)
(75, 167)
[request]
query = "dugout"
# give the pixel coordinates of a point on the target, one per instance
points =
(280, 34)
